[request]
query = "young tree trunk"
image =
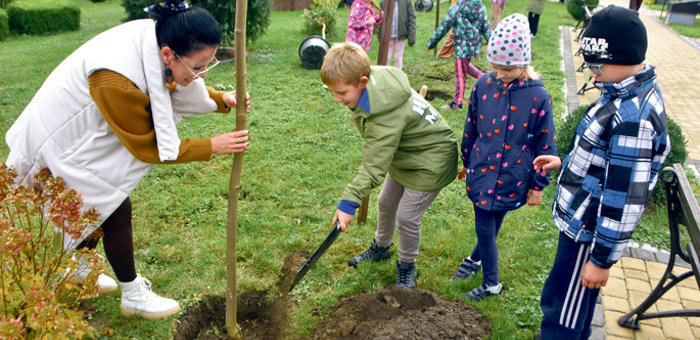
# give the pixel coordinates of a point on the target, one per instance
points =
(232, 327)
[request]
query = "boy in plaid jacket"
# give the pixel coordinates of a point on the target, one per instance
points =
(608, 174)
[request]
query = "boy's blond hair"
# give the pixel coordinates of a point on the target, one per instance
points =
(346, 62)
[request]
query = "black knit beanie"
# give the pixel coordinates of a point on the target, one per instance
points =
(615, 35)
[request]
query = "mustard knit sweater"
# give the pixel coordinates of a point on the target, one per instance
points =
(127, 111)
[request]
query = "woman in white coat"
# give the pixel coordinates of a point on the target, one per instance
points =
(108, 112)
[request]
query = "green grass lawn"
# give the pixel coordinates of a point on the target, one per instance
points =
(303, 154)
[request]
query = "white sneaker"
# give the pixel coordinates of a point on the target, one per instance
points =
(105, 284)
(139, 299)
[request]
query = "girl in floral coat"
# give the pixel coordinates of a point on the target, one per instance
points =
(470, 23)
(361, 23)
(509, 123)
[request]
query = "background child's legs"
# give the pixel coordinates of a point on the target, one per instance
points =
(498, 220)
(567, 306)
(534, 20)
(462, 68)
(392, 41)
(496, 11)
(398, 52)
(487, 224)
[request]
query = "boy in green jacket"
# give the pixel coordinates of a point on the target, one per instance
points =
(406, 141)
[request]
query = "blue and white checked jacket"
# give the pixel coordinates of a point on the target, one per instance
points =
(612, 166)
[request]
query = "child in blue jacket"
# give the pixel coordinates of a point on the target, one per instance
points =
(509, 123)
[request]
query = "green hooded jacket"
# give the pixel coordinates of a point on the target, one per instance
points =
(404, 136)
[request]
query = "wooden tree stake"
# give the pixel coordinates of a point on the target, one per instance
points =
(232, 328)
(437, 23)
(386, 32)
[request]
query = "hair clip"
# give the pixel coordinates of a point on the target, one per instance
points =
(182, 6)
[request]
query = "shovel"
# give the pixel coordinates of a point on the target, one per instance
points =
(317, 254)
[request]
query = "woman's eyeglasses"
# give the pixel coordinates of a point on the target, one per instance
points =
(210, 66)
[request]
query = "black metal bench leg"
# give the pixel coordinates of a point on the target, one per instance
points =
(632, 319)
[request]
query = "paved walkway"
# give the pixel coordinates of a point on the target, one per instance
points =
(639, 271)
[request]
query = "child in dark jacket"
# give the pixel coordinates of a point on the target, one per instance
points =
(470, 22)
(608, 174)
(509, 123)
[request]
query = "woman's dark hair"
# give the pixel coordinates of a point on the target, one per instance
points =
(185, 31)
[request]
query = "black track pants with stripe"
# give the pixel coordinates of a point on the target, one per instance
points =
(567, 306)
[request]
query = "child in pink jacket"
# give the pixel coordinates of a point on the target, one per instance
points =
(361, 23)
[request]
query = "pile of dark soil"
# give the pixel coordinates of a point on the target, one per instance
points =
(387, 314)
(402, 314)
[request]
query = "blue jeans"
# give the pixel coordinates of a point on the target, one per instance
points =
(487, 225)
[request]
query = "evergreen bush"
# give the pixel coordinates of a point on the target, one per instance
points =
(39, 17)
(224, 11)
(574, 7)
(678, 153)
(4, 25)
(319, 13)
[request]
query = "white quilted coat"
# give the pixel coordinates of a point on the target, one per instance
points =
(62, 129)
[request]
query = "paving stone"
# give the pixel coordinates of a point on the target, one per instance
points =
(612, 337)
(642, 254)
(599, 300)
(632, 263)
(597, 334)
(639, 285)
(664, 305)
(616, 304)
(689, 294)
(617, 271)
(613, 329)
(655, 270)
(649, 333)
(694, 322)
(636, 274)
(615, 287)
(598, 316)
(681, 263)
(688, 283)
(696, 331)
(672, 295)
(676, 328)
(626, 252)
(662, 257)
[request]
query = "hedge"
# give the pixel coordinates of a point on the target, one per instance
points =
(4, 26)
(678, 153)
(39, 17)
(224, 11)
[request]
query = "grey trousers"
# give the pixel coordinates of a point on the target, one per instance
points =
(400, 207)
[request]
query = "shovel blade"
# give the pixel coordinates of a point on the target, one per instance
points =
(332, 236)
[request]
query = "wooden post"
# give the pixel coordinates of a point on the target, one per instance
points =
(362, 215)
(232, 328)
(386, 32)
(437, 23)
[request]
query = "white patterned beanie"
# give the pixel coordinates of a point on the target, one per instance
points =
(509, 44)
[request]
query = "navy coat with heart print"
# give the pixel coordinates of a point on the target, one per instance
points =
(507, 126)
